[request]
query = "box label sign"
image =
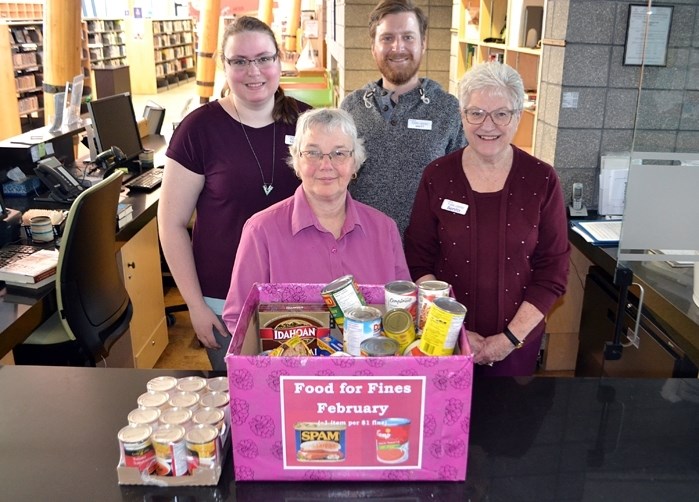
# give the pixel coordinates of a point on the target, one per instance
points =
(360, 422)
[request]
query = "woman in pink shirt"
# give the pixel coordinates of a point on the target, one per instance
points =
(320, 233)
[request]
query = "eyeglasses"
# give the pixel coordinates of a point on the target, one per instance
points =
(262, 63)
(501, 116)
(337, 158)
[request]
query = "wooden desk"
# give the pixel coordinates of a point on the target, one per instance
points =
(535, 439)
(139, 255)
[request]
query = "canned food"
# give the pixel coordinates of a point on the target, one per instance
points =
(184, 400)
(218, 400)
(342, 295)
(202, 447)
(144, 416)
(170, 451)
(217, 384)
(398, 325)
(210, 416)
(191, 384)
(378, 346)
(442, 328)
(153, 399)
(414, 349)
(360, 323)
(162, 384)
(392, 440)
(136, 447)
(401, 295)
(320, 442)
(176, 416)
(427, 292)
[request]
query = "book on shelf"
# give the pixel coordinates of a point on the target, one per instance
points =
(32, 269)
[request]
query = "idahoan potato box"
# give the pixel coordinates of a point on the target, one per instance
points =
(344, 418)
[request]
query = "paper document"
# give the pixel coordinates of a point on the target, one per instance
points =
(599, 232)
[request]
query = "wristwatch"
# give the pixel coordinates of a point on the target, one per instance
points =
(510, 336)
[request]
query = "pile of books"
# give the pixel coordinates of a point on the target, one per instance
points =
(124, 215)
(33, 273)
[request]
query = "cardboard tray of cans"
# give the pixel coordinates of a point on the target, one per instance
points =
(344, 418)
(203, 476)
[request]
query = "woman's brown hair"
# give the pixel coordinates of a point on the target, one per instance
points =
(285, 108)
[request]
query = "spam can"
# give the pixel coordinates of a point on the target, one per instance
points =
(401, 295)
(361, 323)
(427, 293)
(398, 325)
(318, 442)
(444, 321)
(341, 296)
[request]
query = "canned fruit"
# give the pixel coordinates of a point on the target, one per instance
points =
(361, 323)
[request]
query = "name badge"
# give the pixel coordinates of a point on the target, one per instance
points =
(454, 207)
(425, 125)
(289, 139)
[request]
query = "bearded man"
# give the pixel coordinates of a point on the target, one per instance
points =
(405, 121)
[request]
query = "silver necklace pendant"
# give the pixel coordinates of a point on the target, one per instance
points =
(267, 187)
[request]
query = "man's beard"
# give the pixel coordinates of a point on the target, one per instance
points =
(398, 76)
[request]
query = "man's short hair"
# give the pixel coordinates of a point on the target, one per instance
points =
(386, 7)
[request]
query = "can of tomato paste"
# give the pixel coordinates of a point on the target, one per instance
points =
(392, 440)
(341, 296)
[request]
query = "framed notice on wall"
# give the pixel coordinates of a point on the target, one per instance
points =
(647, 35)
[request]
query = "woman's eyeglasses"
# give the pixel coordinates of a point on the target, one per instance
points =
(240, 64)
(337, 158)
(501, 116)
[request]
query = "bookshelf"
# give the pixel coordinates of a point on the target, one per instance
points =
(22, 10)
(21, 77)
(105, 42)
(505, 31)
(167, 53)
(85, 59)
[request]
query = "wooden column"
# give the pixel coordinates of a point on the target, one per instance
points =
(292, 26)
(61, 49)
(207, 50)
(264, 11)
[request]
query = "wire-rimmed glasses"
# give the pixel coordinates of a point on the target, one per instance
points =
(501, 116)
(262, 63)
(337, 157)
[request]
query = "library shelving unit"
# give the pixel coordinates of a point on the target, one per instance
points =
(85, 59)
(22, 10)
(166, 53)
(105, 41)
(505, 31)
(21, 77)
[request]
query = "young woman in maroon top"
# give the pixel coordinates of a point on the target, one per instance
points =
(490, 220)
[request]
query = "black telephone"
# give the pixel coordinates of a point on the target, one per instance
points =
(64, 187)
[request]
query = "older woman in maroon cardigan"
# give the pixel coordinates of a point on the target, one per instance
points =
(490, 220)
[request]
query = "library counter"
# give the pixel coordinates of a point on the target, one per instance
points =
(537, 439)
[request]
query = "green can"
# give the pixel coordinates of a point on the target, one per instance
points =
(342, 295)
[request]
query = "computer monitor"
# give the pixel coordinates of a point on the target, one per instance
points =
(114, 124)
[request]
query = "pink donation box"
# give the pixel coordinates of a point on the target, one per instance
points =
(344, 418)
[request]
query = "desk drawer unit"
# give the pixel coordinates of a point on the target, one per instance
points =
(140, 260)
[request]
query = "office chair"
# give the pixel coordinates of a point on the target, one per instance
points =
(94, 309)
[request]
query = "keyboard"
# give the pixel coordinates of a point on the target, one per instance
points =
(13, 252)
(146, 182)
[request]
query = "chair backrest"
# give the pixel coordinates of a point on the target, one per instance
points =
(93, 304)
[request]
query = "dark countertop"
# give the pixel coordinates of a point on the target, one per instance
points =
(668, 293)
(531, 439)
